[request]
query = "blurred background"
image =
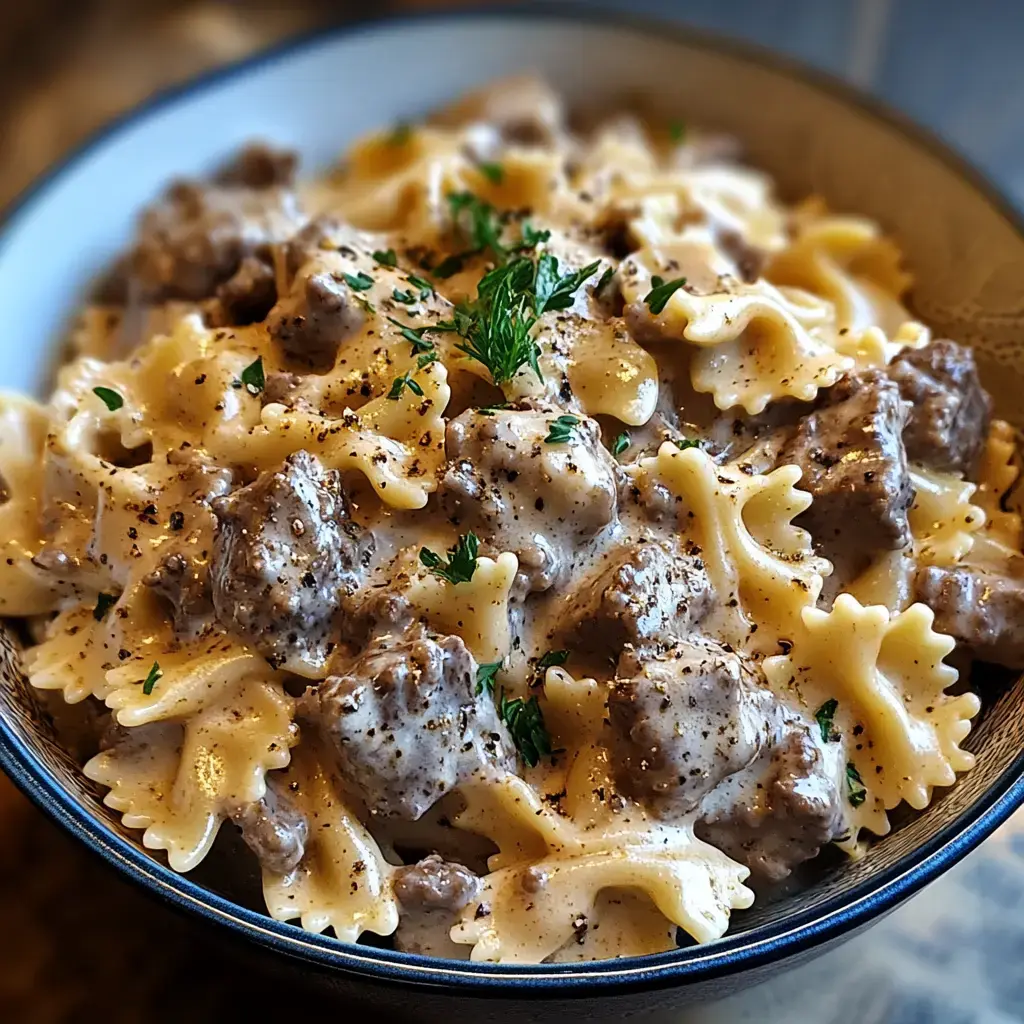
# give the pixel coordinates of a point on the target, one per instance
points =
(77, 944)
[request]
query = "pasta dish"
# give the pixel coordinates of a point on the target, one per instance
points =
(532, 536)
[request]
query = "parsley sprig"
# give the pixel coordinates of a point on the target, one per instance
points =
(824, 717)
(253, 376)
(151, 679)
(461, 563)
(485, 675)
(661, 291)
(621, 443)
(525, 722)
(856, 792)
(562, 430)
(554, 291)
(109, 397)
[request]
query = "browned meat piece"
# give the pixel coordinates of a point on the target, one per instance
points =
(781, 810)
(320, 234)
(749, 260)
(261, 166)
(274, 829)
(196, 237)
(950, 410)
(855, 468)
(5, 490)
(247, 296)
(284, 552)
(183, 580)
(647, 594)
(313, 319)
(407, 725)
(435, 884)
(683, 721)
(520, 493)
(984, 611)
(281, 388)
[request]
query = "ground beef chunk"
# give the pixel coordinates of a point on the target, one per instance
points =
(316, 315)
(783, 808)
(284, 552)
(683, 721)
(183, 580)
(406, 723)
(950, 410)
(520, 493)
(855, 468)
(196, 237)
(435, 884)
(274, 829)
(984, 611)
(261, 166)
(646, 594)
(749, 260)
(247, 296)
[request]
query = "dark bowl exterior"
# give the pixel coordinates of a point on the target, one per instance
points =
(790, 930)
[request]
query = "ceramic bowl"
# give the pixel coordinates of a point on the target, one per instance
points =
(964, 242)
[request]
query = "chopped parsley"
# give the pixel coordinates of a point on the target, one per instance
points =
(621, 443)
(253, 377)
(687, 442)
(109, 397)
(551, 659)
(414, 335)
(399, 384)
(602, 281)
(461, 563)
(485, 675)
(661, 291)
(407, 297)
(532, 238)
(525, 723)
(824, 716)
(400, 134)
(490, 410)
(104, 602)
(360, 282)
(150, 681)
(494, 173)
(386, 257)
(425, 287)
(561, 430)
(479, 221)
(677, 131)
(857, 793)
(552, 291)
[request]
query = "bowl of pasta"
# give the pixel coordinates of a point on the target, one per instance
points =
(560, 548)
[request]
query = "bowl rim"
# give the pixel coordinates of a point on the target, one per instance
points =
(767, 943)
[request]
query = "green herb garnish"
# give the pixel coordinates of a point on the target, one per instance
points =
(687, 442)
(677, 131)
(621, 443)
(461, 563)
(399, 384)
(150, 681)
(494, 173)
(561, 430)
(531, 238)
(603, 280)
(824, 716)
(857, 793)
(661, 291)
(552, 291)
(479, 220)
(485, 676)
(110, 398)
(104, 602)
(386, 257)
(551, 659)
(414, 335)
(451, 265)
(360, 282)
(425, 287)
(525, 723)
(407, 297)
(253, 376)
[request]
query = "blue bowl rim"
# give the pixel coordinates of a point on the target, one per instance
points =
(763, 945)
